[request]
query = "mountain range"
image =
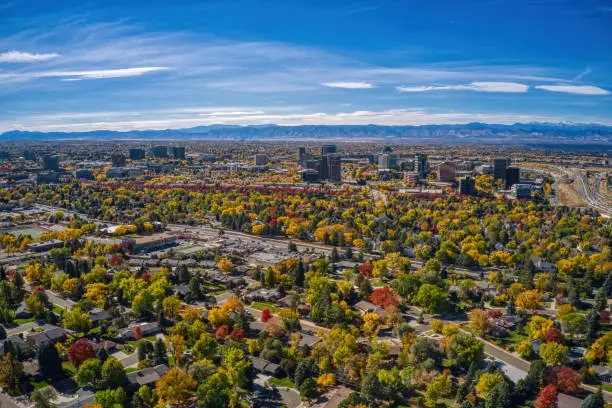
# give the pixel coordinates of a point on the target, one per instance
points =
(518, 133)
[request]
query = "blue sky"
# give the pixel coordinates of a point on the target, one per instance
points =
(121, 65)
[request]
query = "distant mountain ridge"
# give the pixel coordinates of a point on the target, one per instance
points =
(518, 133)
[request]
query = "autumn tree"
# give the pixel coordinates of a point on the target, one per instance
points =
(80, 351)
(564, 378)
(478, 321)
(553, 353)
(384, 297)
(529, 300)
(175, 387)
(547, 397)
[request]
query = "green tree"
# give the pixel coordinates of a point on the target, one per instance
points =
(466, 349)
(90, 373)
(553, 353)
(214, 392)
(430, 297)
(113, 374)
(11, 374)
(42, 397)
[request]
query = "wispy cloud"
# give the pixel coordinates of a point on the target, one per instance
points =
(581, 75)
(511, 87)
(575, 89)
(181, 118)
(348, 85)
(21, 56)
(80, 75)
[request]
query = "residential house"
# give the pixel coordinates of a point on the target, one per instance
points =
(147, 329)
(98, 315)
(367, 307)
(603, 373)
(50, 334)
(146, 376)
(265, 366)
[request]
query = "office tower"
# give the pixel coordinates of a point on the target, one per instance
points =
(137, 154)
(323, 169)
(513, 176)
(5, 155)
(260, 159)
(160, 152)
(118, 160)
(50, 162)
(29, 155)
(467, 186)
(310, 176)
(334, 168)
(499, 168)
(84, 174)
(301, 159)
(387, 161)
(178, 152)
(421, 166)
(447, 171)
(328, 149)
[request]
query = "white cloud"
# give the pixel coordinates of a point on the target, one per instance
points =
(349, 85)
(575, 89)
(189, 117)
(87, 74)
(20, 56)
(511, 87)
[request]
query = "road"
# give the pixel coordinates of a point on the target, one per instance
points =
(591, 194)
(8, 402)
(22, 328)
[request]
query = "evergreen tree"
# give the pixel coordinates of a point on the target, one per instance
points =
(499, 396)
(594, 400)
(160, 354)
(592, 327)
(49, 361)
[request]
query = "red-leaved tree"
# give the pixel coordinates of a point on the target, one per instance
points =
(554, 335)
(547, 397)
(265, 315)
(366, 269)
(222, 331)
(565, 378)
(80, 351)
(137, 333)
(384, 297)
(116, 260)
(237, 334)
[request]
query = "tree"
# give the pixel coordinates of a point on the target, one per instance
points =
(466, 349)
(175, 387)
(225, 265)
(430, 297)
(214, 392)
(500, 396)
(478, 321)
(77, 320)
(305, 369)
(553, 353)
(90, 373)
(384, 297)
(42, 397)
(11, 374)
(205, 347)
(80, 351)
(265, 315)
(111, 398)
(529, 300)
(438, 388)
(554, 335)
(171, 306)
(160, 354)
(486, 382)
(113, 374)
(370, 387)
(565, 378)
(547, 397)
(49, 361)
(308, 389)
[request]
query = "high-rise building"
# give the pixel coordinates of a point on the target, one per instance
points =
(421, 165)
(178, 152)
(447, 171)
(387, 161)
(499, 168)
(160, 152)
(323, 169)
(118, 160)
(301, 159)
(137, 154)
(5, 154)
(29, 155)
(467, 186)
(334, 168)
(50, 162)
(328, 149)
(513, 176)
(260, 159)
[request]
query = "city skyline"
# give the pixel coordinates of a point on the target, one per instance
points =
(118, 66)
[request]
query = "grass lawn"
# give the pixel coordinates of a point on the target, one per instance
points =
(131, 370)
(57, 309)
(514, 337)
(68, 367)
(282, 382)
(19, 322)
(36, 385)
(606, 387)
(265, 305)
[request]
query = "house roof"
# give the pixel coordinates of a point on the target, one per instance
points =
(147, 375)
(308, 340)
(50, 333)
